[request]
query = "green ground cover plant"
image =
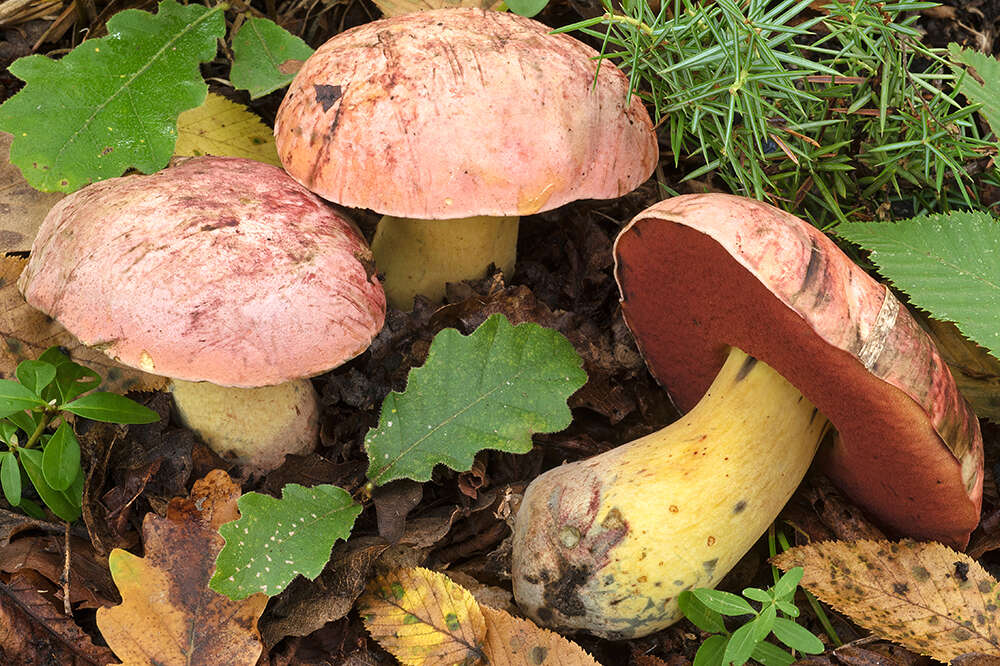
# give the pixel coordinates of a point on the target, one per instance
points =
(50, 461)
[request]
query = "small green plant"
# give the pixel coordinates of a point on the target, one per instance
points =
(50, 459)
(705, 608)
(832, 114)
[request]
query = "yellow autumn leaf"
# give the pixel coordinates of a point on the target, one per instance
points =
(924, 596)
(423, 618)
(168, 615)
(224, 128)
(511, 641)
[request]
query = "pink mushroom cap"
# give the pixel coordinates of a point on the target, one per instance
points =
(462, 112)
(220, 269)
(701, 273)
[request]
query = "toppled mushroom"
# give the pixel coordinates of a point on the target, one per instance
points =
(452, 123)
(218, 270)
(607, 544)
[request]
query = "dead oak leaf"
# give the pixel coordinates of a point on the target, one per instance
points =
(168, 614)
(33, 629)
(924, 596)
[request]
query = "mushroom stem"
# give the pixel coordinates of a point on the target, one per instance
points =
(606, 544)
(420, 256)
(255, 426)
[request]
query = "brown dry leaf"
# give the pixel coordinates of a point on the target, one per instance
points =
(168, 614)
(511, 641)
(26, 333)
(924, 596)
(225, 128)
(34, 630)
(90, 584)
(423, 618)
(306, 605)
(22, 207)
(976, 372)
(399, 7)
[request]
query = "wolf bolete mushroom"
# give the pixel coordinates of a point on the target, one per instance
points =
(452, 123)
(218, 273)
(762, 328)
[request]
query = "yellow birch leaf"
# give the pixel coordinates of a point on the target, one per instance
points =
(168, 615)
(22, 207)
(423, 618)
(224, 128)
(511, 641)
(391, 8)
(924, 596)
(25, 333)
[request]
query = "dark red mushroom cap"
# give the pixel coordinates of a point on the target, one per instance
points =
(220, 269)
(460, 112)
(701, 273)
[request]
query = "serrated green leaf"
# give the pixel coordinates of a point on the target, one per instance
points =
(61, 458)
(949, 264)
(987, 68)
(10, 478)
(265, 56)
(111, 103)
(489, 390)
(111, 408)
(710, 651)
(722, 602)
(31, 460)
(796, 636)
(35, 375)
(276, 539)
(15, 398)
(526, 7)
(700, 615)
(740, 646)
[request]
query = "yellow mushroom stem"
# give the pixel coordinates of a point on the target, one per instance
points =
(606, 545)
(420, 256)
(255, 426)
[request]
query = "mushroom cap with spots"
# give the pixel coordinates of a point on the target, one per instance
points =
(454, 113)
(219, 269)
(701, 273)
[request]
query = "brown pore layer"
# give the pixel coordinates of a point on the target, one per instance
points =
(455, 113)
(700, 273)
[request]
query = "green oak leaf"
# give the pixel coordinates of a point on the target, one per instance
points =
(489, 390)
(265, 57)
(276, 539)
(987, 68)
(949, 264)
(111, 103)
